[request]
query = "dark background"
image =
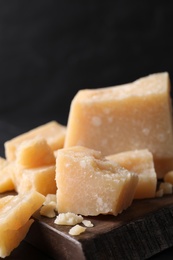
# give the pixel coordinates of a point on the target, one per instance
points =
(51, 49)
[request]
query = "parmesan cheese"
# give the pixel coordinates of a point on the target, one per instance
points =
(128, 117)
(106, 187)
(53, 132)
(40, 179)
(15, 213)
(34, 153)
(76, 230)
(68, 218)
(140, 162)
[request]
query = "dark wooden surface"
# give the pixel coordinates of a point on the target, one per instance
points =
(140, 232)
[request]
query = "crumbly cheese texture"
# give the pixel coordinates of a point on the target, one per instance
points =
(53, 132)
(68, 218)
(15, 213)
(48, 210)
(133, 116)
(140, 162)
(49, 206)
(106, 187)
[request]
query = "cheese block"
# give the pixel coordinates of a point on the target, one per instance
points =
(52, 132)
(34, 153)
(88, 184)
(132, 116)
(15, 212)
(140, 162)
(6, 183)
(41, 179)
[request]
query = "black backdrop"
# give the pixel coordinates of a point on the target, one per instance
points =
(51, 49)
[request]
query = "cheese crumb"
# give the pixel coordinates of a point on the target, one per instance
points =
(68, 219)
(49, 206)
(48, 210)
(50, 198)
(76, 230)
(87, 223)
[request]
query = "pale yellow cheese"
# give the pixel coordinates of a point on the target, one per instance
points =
(87, 223)
(88, 184)
(140, 162)
(10, 238)
(50, 198)
(6, 183)
(68, 218)
(48, 210)
(76, 230)
(40, 179)
(133, 116)
(34, 153)
(15, 212)
(52, 132)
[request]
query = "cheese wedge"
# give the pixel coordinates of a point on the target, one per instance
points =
(6, 183)
(132, 116)
(15, 212)
(52, 132)
(34, 153)
(140, 162)
(10, 239)
(88, 184)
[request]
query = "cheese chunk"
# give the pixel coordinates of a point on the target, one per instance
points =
(15, 212)
(52, 132)
(34, 153)
(10, 239)
(88, 184)
(140, 162)
(40, 179)
(6, 183)
(132, 116)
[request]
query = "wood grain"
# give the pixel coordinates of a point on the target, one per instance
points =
(143, 230)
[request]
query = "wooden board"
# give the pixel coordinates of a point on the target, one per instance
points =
(143, 230)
